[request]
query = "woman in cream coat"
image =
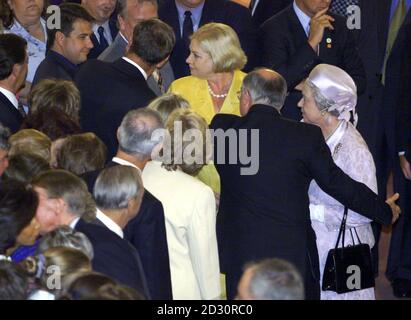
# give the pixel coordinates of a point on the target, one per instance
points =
(190, 213)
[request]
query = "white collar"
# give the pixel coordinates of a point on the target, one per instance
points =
(137, 66)
(334, 140)
(74, 222)
(114, 227)
(124, 38)
(125, 163)
(11, 96)
(303, 17)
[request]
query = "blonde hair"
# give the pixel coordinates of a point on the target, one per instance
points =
(30, 141)
(167, 103)
(67, 261)
(189, 120)
(61, 94)
(221, 43)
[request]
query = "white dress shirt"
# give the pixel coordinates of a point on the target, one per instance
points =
(11, 96)
(125, 163)
(109, 223)
(107, 32)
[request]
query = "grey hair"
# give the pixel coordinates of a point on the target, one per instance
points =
(116, 186)
(135, 134)
(122, 6)
(322, 103)
(4, 137)
(65, 236)
(276, 279)
(271, 91)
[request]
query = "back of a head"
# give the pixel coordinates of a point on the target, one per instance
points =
(60, 94)
(13, 281)
(63, 261)
(30, 141)
(116, 186)
(266, 87)
(61, 184)
(69, 14)
(136, 132)
(182, 123)
(65, 236)
(82, 153)
(153, 41)
(275, 279)
(18, 205)
(23, 167)
(53, 122)
(12, 51)
(167, 103)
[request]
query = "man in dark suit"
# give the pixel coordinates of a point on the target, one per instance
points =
(266, 214)
(197, 13)
(398, 105)
(303, 35)
(130, 12)
(147, 231)
(65, 200)
(109, 90)
(262, 10)
(13, 72)
(104, 28)
(68, 46)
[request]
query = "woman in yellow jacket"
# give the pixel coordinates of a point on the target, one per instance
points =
(215, 61)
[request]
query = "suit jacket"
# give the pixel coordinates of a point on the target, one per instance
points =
(114, 256)
(108, 91)
(267, 214)
(224, 11)
(54, 66)
(118, 49)
(285, 49)
(196, 92)
(97, 49)
(9, 116)
(268, 8)
(147, 233)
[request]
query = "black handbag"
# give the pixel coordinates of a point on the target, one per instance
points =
(344, 265)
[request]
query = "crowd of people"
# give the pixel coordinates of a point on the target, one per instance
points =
(200, 149)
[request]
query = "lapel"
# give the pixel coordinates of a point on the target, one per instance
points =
(10, 107)
(94, 40)
(113, 28)
(209, 12)
(172, 18)
(297, 30)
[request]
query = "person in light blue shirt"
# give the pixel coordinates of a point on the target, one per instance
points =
(23, 18)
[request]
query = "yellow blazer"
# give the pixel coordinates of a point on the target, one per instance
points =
(195, 91)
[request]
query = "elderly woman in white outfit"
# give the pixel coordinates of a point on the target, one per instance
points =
(329, 95)
(189, 209)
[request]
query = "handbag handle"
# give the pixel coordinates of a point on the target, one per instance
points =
(342, 229)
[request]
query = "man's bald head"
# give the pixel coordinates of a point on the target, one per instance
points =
(263, 86)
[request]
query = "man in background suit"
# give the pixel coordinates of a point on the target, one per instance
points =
(104, 28)
(262, 10)
(109, 90)
(68, 46)
(130, 12)
(303, 35)
(4, 148)
(186, 16)
(147, 231)
(266, 214)
(13, 72)
(65, 200)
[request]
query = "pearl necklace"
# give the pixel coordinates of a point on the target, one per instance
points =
(218, 96)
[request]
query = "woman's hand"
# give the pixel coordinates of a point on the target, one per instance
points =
(394, 208)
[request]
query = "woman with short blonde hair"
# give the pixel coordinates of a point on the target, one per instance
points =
(216, 59)
(30, 141)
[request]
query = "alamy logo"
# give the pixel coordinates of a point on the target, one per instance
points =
(354, 17)
(354, 280)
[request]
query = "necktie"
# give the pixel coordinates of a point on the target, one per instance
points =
(340, 6)
(395, 25)
(21, 110)
(103, 41)
(187, 27)
(157, 76)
